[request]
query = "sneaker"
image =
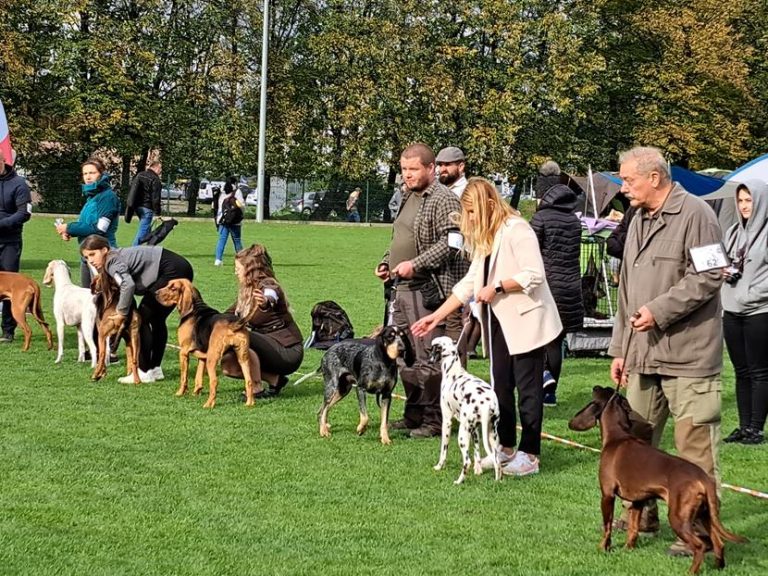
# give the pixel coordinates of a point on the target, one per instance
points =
(549, 380)
(486, 462)
(550, 399)
(217, 262)
(144, 377)
(521, 465)
(736, 436)
(6, 338)
(157, 373)
(424, 432)
(752, 436)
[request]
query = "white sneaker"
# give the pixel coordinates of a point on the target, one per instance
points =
(217, 262)
(521, 465)
(157, 373)
(144, 377)
(486, 462)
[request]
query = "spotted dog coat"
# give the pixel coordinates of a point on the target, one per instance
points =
(472, 402)
(372, 368)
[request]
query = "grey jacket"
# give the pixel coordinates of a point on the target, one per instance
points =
(749, 295)
(658, 273)
(134, 269)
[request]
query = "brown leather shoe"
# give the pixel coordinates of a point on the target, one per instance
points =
(424, 432)
(401, 424)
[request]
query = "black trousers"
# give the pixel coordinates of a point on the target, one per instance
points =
(523, 372)
(746, 338)
(154, 332)
(10, 260)
(274, 357)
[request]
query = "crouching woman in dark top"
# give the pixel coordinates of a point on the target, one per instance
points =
(275, 338)
(140, 270)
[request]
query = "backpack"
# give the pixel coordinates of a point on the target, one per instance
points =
(231, 213)
(330, 324)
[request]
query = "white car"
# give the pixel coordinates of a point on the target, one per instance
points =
(172, 194)
(205, 194)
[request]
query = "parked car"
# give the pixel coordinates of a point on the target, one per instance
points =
(205, 194)
(307, 203)
(172, 194)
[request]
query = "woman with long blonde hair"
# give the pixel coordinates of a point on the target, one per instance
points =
(275, 338)
(519, 316)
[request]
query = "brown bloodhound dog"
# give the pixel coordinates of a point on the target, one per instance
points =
(111, 325)
(207, 334)
(24, 294)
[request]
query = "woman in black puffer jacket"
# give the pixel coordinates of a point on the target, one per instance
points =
(559, 232)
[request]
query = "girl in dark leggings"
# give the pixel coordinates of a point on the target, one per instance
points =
(141, 270)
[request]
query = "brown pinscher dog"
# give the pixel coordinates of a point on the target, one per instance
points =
(207, 334)
(111, 326)
(24, 294)
(635, 471)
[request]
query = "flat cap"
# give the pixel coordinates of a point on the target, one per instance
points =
(450, 154)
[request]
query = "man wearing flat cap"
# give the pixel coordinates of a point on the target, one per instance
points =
(450, 167)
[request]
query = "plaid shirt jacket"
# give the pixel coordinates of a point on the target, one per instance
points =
(437, 215)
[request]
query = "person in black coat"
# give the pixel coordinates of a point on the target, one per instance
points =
(144, 199)
(559, 232)
(15, 210)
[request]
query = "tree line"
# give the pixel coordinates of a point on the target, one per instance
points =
(352, 82)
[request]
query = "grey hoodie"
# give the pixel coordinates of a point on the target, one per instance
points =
(749, 295)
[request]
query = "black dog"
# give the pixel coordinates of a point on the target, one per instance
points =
(372, 367)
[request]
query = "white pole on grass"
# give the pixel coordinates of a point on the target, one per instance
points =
(262, 114)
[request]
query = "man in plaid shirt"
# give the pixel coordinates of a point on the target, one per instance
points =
(419, 253)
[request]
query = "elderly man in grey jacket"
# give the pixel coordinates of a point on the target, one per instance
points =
(667, 343)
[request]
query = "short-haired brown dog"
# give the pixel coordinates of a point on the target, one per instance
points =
(110, 325)
(24, 294)
(207, 334)
(635, 471)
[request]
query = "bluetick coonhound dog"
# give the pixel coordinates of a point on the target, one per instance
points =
(472, 402)
(370, 367)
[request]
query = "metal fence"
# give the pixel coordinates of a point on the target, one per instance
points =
(58, 191)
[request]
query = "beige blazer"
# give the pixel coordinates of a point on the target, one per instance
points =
(528, 319)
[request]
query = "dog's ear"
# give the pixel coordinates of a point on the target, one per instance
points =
(586, 418)
(184, 291)
(409, 356)
(48, 278)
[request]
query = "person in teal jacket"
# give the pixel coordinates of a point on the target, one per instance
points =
(99, 215)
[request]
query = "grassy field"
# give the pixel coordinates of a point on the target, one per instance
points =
(120, 479)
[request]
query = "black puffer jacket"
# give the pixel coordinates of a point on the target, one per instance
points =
(559, 232)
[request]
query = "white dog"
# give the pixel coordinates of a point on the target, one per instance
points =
(472, 402)
(72, 306)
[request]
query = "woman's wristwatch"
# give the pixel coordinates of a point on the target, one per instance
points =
(499, 287)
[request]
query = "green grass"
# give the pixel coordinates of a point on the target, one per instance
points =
(120, 479)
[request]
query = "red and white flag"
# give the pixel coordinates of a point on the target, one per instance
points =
(5, 137)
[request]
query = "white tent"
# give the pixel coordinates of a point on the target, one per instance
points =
(756, 169)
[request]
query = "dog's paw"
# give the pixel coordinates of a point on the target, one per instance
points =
(386, 441)
(459, 480)
(209, 404)
(438, 466)
(325, 431)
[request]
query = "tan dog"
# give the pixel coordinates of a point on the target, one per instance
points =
(24, 294)
(636, 471)
(207, 334)
(111, 325)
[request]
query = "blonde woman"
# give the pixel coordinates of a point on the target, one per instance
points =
(519, 316)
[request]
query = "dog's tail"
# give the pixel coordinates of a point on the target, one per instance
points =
(488, 425)
(717, 532)
(36, 309)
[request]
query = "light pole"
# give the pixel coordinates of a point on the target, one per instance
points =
(262, 114)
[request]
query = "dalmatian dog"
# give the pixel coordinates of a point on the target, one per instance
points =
(472, 402)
